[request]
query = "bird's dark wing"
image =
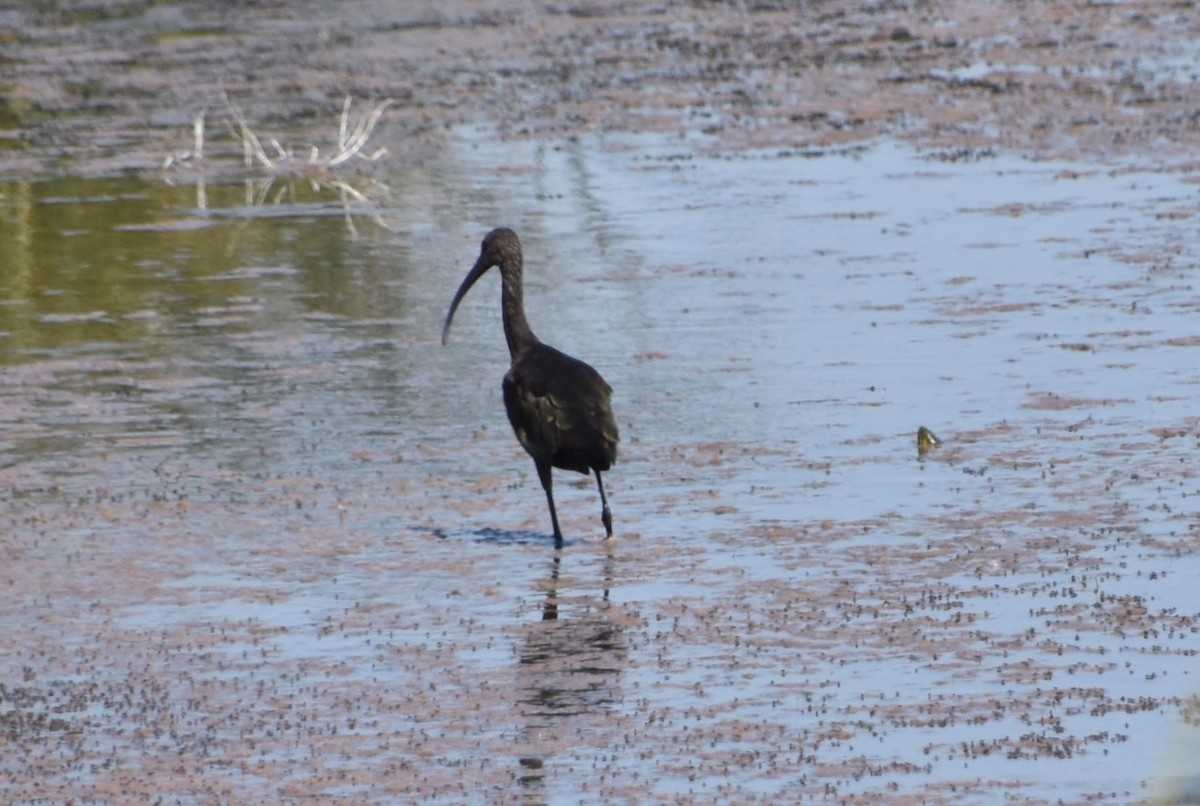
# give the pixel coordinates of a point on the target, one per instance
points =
(560, 409)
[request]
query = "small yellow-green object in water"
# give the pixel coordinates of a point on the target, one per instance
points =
(926, 440)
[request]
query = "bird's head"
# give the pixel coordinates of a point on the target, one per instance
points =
(500, 247)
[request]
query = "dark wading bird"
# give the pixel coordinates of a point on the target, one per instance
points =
(559, 406)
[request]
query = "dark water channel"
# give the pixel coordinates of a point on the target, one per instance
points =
(266, 538)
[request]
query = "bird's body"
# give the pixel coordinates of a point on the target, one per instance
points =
(559, 407)
(550, 422)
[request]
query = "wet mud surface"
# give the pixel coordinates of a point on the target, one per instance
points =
(265, 539)
(106, 85)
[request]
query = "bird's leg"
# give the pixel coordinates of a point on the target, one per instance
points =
(605, 515)
(543, 469)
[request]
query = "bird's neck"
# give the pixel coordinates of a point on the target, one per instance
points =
(512, 304)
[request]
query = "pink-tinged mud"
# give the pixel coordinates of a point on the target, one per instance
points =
(264, 539)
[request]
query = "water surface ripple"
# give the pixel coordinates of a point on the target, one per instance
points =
(265, 538)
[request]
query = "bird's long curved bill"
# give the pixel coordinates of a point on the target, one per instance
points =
(477, 271)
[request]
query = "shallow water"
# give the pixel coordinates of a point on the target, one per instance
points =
(268, 538)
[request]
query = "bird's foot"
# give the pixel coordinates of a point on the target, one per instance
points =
(606, 519)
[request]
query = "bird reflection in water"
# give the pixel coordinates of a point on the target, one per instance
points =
(570, 670)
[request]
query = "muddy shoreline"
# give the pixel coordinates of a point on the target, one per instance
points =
(115, 85)
(265, 539)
